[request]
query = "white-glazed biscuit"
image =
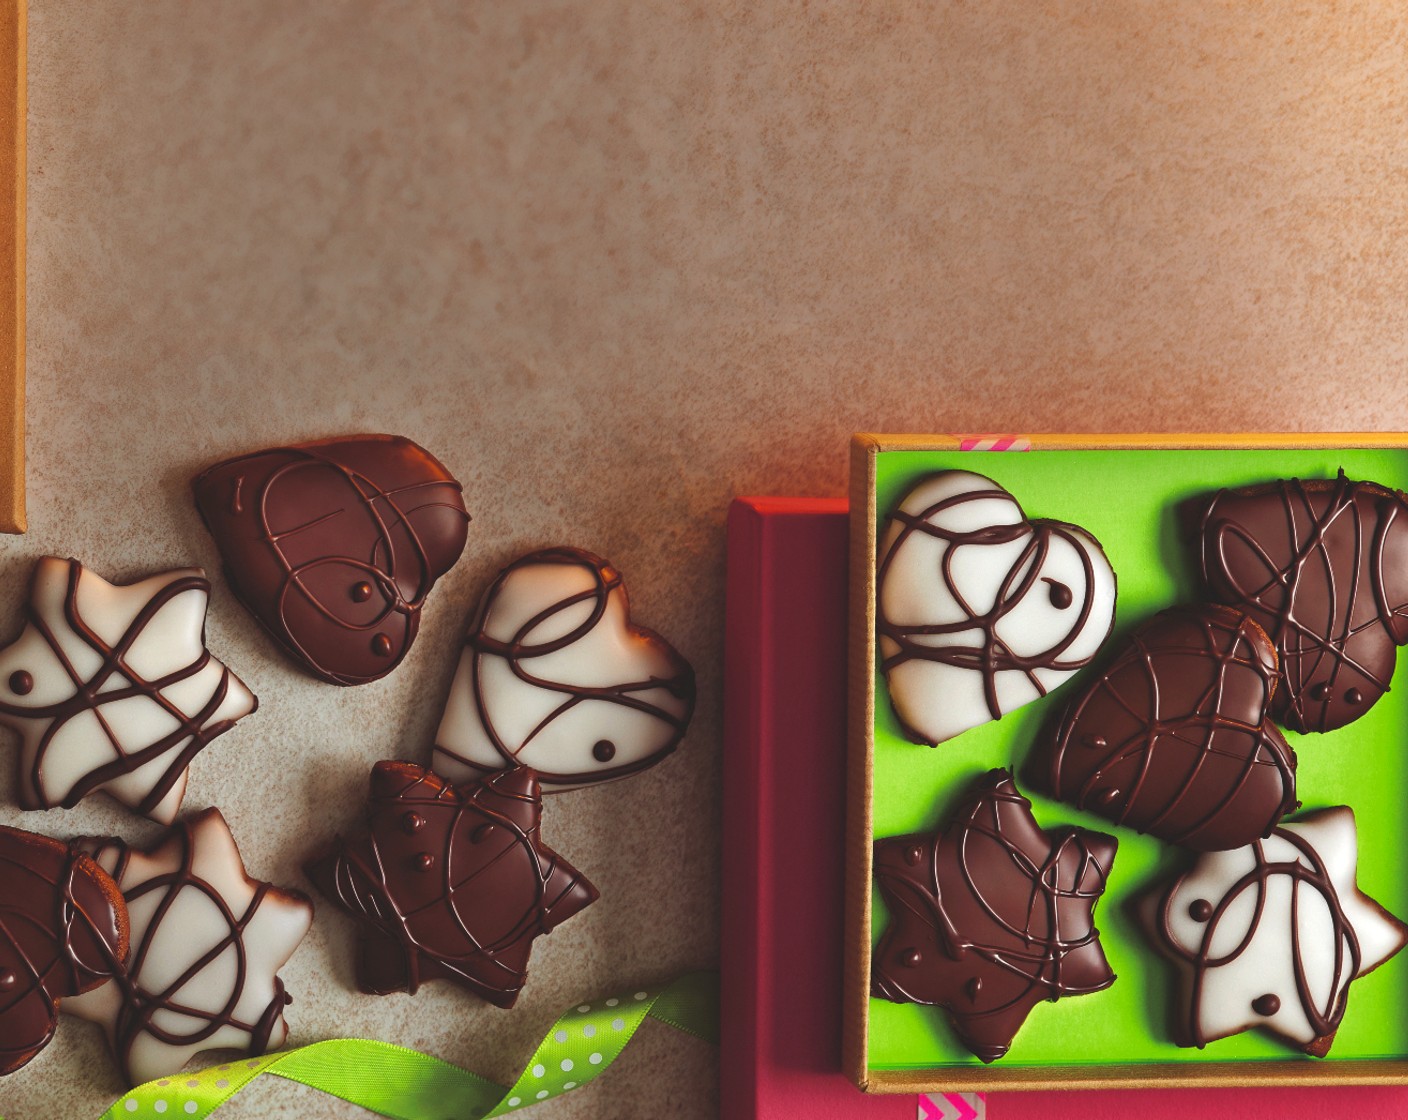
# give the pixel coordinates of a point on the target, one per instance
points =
(1270, 935)
(980, 610)
(207, 943)
(112, 688)
(556, 677)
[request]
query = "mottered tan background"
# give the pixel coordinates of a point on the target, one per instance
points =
(616, 262)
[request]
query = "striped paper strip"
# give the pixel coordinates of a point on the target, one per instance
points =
(994, 443)
(952, 1106)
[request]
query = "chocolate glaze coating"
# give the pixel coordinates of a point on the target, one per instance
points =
(334, 545)
(1174, 737)
(63, 928)
(991, 916)
(1323, 567)
(450, 882)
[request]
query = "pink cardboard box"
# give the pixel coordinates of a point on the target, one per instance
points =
(784, 772)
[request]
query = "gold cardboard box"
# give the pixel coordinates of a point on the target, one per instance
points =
(13, 105)
(859, 821)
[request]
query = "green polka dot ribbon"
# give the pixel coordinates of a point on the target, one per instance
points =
(408, 1085)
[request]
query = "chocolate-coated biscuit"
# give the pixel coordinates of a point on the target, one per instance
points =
(334, 545)
(1174, 737)
(1322, 565)
(991, 916)
(449, 882)
(63, 931)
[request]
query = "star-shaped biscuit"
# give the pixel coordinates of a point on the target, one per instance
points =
(991, 916)
(1270, 935)
(207, 943)
(112, 688)
(451, 882)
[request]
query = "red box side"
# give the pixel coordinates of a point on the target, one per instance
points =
(784, 766)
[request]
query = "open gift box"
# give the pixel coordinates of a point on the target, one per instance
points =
(1127, 491)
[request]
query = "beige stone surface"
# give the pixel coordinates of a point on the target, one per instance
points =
(617, 263)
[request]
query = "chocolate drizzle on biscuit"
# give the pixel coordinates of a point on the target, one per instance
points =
(62, 925)
(991, 916)
(111, 681)
(987, 655)
(335, 545)
(174, 1013)
(1308, 871)
(462, 896)
(519, 651)
(1174, 737)
(1323, 567)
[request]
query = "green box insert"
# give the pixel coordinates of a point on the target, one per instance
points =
(1129, 500)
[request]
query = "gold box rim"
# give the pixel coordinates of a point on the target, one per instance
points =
(860, 721)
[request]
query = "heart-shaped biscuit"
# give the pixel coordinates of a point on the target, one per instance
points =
(63, 931)
(1175, 738)
(980, 610)
(334, 545)
(555, 676)
(1323, 567)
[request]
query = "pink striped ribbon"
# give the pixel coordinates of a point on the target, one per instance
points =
(994, 443)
